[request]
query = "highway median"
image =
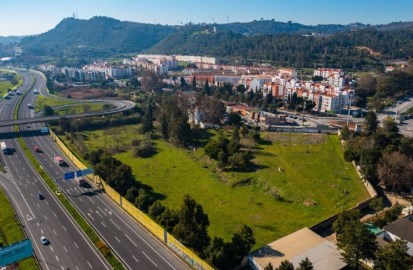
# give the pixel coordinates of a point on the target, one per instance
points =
(83, 224)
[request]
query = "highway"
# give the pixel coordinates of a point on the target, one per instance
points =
(136, 248)
(69, 247)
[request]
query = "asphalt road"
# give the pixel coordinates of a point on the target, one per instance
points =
(69, 248)
(136, 248)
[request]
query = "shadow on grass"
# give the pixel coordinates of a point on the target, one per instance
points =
(250, 168)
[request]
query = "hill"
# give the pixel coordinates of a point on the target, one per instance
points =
(10, 39)
(96, 37)
(340, 49)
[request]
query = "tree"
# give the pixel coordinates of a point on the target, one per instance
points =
(156, 210)
(183, 83)
(317, 78)
(164, 127)
(207, 89)
(286, 265)
(143, 200)
(269, 267)
(148, 118)
(151, 81)
(395, 171)
(234, 119)
(371, 122)
(192, 227)
(345, 133)
(376, 204)
(354, 239)
(242, 241)
(305, 264)
(194, 83)
(393, 256)
(131, 194)
(48, 111)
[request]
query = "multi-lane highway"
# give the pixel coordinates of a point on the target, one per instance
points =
(136, 248)
(69, 247)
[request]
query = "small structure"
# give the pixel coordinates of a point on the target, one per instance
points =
(296, 247)
(400, 229)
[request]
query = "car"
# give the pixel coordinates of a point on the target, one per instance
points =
(44, 240)
(40, 196)
(37, 149)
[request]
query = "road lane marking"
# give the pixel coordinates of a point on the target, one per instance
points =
(77, 268)
(127, 236)
(117, 239)
(89, 264)
(54, 214)
(115, 224)
(80, 199)
(51, 248)
(45, 217)
(103, 224)
(64, 228)
(135, 258)
(54, 232)
(42, 231)
(102, 211)
(76, 244)
(97, 212)
(65, 249)
(90, 216)
(149, 258)
(47, 203)
(57, 258)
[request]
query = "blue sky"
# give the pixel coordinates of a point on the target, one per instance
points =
(23, 17)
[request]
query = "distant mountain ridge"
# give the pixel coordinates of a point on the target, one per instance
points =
(265, 40)
(10, 39)
(96, 37)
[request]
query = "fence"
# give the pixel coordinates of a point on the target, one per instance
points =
(178, 248)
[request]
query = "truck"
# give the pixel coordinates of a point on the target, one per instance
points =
(4, 148)
(81, 182)
(59, 160)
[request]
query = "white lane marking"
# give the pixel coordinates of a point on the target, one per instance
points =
(102, 211)
(77, 268)
(54, 214)
(117, 239)
(47, 203)
(90, 216)
(80, 199)
(115, 224)
(57, 258)
(91, 200)
(45, 217)
(64, 228)
(54, 232)
(38, 205)
(97, 212)
(127, 236)
(89, 264)
(76, 244)
(149, 258)
(41, 230)
(103, 224)
(65, 249)
(38, 224)
(51, 248)
(135, 258)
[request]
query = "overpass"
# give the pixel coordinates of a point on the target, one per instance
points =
(121, 105)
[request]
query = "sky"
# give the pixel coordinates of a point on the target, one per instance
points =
(28, 17)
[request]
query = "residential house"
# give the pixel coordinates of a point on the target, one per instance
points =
(400, 229)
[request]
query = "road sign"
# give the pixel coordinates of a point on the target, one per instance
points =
(44, 130)
(69, 175)
(88, 171)
(15, 252)
(79, 173)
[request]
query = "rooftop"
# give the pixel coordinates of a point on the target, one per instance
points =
(296, 247)
(402, 228)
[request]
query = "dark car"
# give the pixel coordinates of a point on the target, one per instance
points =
(40, 196)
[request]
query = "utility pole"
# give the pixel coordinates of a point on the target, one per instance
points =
(349, 110)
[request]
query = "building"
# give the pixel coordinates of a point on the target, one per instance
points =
(296, 247)
(400, 229)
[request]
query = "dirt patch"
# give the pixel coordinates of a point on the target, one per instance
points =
(87, 93)
(288, 138)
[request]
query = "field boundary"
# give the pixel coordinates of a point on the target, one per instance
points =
(151, 226)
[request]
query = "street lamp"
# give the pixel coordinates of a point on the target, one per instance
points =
(349, 110)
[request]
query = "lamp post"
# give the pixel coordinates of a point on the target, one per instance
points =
(349, 110)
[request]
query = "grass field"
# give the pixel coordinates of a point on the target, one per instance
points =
(5, 85)
(52, 102)
(301, 180)
(79, 108)
(11, 231)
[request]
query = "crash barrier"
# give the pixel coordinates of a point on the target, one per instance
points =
(161, 234)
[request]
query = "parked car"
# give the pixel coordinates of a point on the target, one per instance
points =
(44, 240)
(37, 149)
